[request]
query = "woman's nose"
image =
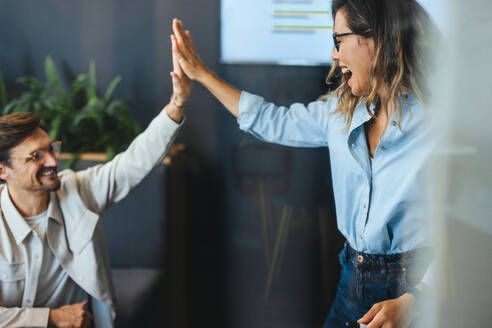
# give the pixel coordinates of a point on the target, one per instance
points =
(335, 55)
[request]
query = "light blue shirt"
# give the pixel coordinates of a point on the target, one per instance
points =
(380, 203)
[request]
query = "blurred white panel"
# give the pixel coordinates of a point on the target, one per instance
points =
(462, 178)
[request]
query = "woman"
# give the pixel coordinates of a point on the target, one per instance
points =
(376, 130)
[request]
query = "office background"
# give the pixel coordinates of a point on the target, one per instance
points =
(226, 271)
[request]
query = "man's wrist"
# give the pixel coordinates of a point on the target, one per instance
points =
(174, 112)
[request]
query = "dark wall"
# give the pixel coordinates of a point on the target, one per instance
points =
(127, 38)
(227, 271)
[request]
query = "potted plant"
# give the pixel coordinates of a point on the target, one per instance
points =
(78, 116)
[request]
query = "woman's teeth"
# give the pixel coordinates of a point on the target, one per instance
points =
(345, 70)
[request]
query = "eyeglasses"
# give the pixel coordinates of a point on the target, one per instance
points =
(37, 156)
(336, 42)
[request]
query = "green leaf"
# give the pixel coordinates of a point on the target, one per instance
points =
(110, 153)
(55, 128)
(52, 76)
(79, 84)
(91, 90)
(31, 83)
(116, 105)
(111, 87)
(9, 108)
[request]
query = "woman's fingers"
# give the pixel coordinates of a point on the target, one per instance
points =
(185, 52)
(179, 32)
(191, 43)
(183, 37)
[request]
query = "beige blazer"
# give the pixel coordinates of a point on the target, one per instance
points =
(75, 233)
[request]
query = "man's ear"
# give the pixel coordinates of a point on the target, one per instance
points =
(4, 172)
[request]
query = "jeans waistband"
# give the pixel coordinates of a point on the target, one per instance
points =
(383, 260)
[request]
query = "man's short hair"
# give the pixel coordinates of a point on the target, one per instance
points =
(14, 128)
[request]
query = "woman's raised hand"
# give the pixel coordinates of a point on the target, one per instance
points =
(186, 57)
(184, 51)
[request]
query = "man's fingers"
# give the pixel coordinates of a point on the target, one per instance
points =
(177, 83)
(83, 303)
(176, 67)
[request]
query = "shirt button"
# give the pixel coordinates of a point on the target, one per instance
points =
(365, 205)
(383, 148)
(4, 276)
(29, 302)
(393, 123)
(36, 257)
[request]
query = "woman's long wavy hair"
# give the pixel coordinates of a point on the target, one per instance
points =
(403, 34)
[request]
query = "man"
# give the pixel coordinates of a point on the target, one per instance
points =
(53, 261)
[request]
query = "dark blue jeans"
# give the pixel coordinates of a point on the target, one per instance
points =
(367, 279)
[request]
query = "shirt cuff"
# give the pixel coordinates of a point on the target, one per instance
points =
(169, 121)
(38, 317)
(249, 107)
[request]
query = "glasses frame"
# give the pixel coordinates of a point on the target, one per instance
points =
(38, 155)
(336, 42)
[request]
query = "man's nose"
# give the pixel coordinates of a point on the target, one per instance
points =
(50, 159)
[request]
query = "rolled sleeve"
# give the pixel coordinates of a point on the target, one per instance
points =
(249, 107)
(297, 125)
(24, 317)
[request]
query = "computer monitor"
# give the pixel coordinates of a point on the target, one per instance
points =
(284, 32)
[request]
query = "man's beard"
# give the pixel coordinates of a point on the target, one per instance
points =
(53, 187)
(54, 184)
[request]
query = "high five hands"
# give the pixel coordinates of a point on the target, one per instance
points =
(182, 85)
(186, 57)
(185, 53)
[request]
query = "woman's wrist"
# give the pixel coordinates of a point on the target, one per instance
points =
(205, 76)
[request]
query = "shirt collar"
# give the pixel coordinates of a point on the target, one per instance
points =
(16, 222)
(361, 115)
(54, 211)
(20, 229)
